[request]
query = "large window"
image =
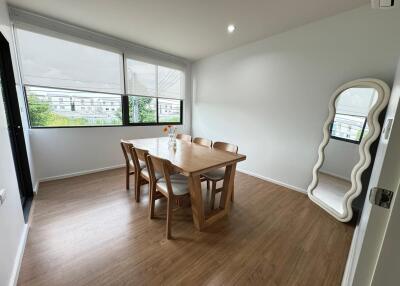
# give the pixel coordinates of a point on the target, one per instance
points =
(50, 107)
(155, 93)
(69, 83)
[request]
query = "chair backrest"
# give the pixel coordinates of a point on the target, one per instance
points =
(184, 137)
(139, 155)
(202, 141)
(163, 166)
(126, 147)
(226, 147)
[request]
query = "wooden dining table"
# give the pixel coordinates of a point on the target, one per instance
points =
(192, 160)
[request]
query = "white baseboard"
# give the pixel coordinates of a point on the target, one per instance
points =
(80, 173)
(297, 189)
(18, 258)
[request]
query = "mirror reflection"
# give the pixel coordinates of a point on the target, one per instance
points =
(347, 130)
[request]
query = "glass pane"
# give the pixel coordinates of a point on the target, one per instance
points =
(169, 110)
(50, 61)
(348, 127)
(50, 107)
(141, 78)
(356, 101)
(169, 83)
(142, 109)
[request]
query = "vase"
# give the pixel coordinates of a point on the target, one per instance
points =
(172, 139)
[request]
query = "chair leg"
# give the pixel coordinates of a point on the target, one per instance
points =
(169, 217)
(213, 191)
(151, 201)
(137, 187)
(127, 178)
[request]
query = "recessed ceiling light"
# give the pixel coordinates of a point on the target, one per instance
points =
(231, 28)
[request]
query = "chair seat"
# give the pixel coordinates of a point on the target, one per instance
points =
(179, 185)
(215, 175)
(141, 163)
(145, 173)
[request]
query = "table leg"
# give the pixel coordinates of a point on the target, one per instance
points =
(197, 201)
(227, 191)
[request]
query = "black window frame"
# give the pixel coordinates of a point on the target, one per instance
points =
(357, 142)
(124, 105)
(125, 112)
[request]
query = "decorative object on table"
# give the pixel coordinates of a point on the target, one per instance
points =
(171, 131)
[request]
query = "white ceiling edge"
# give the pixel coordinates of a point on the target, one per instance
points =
(26, 17)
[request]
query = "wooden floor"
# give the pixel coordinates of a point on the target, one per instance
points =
(89, 231)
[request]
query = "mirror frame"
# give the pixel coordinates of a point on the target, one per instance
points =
(364, 147)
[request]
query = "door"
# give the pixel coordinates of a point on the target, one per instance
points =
(368, 238)
(15, 130)
(386, 271)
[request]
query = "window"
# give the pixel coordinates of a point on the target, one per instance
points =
(169, 110)
(348, 127)
(69, 83)
(141, 78)
(169, 83)
(142, 109)
(155, 93)
(49, 107)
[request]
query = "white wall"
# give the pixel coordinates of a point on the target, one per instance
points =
(64, 151)
(340, 158)
(12, 227)
(271, 97)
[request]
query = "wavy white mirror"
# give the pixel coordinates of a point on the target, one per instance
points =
(344, 153)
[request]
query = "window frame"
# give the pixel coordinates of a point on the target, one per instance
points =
(357, 142)
(124, 111)
(124, 96)
(125, 116)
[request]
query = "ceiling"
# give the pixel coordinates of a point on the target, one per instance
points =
(192, 29)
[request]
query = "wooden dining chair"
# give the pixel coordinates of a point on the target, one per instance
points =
(129, 166)
(202, 141)
(217, 175)
(139, 158)
(172, 186)
(184, 137)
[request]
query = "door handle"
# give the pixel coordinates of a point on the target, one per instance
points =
(381, 197)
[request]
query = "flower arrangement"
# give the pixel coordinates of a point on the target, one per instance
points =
(171, 131)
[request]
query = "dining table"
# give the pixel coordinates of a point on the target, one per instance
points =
(192, 160)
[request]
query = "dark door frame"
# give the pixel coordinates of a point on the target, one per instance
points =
(15, 128)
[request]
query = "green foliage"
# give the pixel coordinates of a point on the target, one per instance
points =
(170, 118)
(39, 112)
(140, 110)
(41, 115)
